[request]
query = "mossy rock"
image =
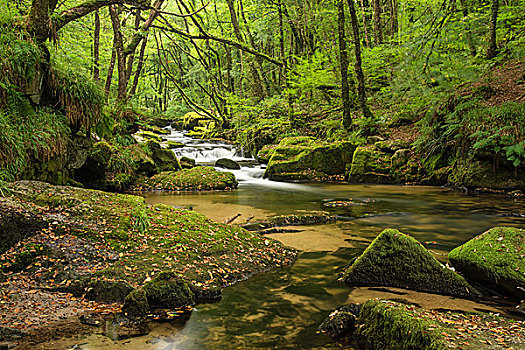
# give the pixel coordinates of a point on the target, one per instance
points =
(227, 164)
(342, 322)
(107, 291)
(315, 218)
(370, 164)
(479, 174)
(148, 135)
(166, 291)
(296, 155)
(398, 260)
(387, 325)
(191, 120)
(165, 159)
(174, 144)
(265, 153)
(494, 258)
(17, 223)
(155, 129)
(187, 163)
(197, 178)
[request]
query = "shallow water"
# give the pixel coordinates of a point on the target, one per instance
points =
(282, 309)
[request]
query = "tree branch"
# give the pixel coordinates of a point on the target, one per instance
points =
(77, 12)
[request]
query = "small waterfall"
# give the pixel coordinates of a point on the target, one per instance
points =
(207, 152)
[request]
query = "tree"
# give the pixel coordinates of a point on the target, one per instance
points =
(492, 49)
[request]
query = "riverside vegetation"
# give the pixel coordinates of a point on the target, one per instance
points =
(433, 98)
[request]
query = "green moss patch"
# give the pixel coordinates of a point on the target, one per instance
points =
(392, 326)
(497, 256)
(194, 179)
(398, 260)
(389, 325)
(296, 157)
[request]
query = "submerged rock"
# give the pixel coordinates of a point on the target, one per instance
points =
(494, 258)
(289, 220)
(194, 179)
(227, 164)
(174, 144)
(342, 322)
(304, 158)
(397, 260)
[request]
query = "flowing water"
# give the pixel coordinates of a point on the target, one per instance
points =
(282, 309)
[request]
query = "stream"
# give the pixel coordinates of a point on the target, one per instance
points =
(282, 309)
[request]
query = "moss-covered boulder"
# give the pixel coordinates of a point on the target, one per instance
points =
(495, 258)
(313, 218)
(194, 179)
(165, 159)
(227, 164)
(191, 120)
(304, 158)
(265, 153)
(480, 174)
(174, 144)
(166, 291)
(398, 260)
(187, 163)
(148, 135)
(384, 162)
(388, 325)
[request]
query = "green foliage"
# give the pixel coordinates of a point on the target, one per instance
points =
(19, 60)
(140, 220)
(80, 98)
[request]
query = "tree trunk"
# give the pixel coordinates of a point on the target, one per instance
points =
(470, 42)
(365, 25)
(343, 58)
(361, 92)
(109, 75)
(492, 50)
(376, 17)
(96, 47)
(118, 44)
(140, 64)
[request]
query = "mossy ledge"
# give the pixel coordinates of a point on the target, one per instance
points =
(494, 258)
(398, 260)
(389, 325)
(160, 251)
(200, 178)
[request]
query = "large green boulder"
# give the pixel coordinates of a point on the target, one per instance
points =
(398, 260)
(495, 258)
(387, 325)
(164, 158)
(384, 162)
(305, 158)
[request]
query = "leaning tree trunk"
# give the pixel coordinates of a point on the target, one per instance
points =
(361, 92)
(493, 48)
(343, 58)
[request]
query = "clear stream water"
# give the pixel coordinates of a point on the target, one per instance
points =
(282, 309)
